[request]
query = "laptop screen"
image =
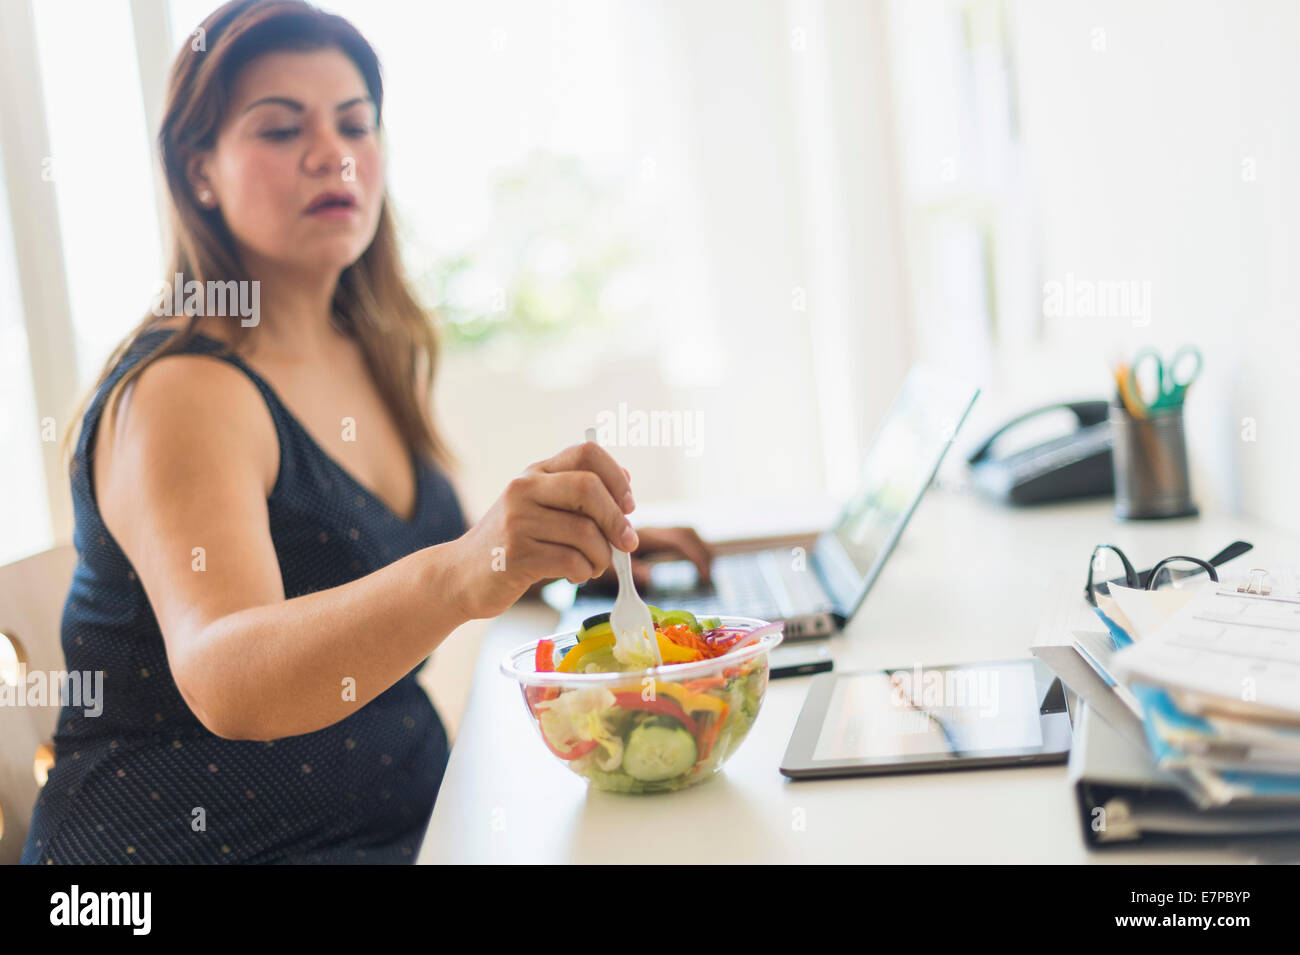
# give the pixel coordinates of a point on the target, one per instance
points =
(899, 466)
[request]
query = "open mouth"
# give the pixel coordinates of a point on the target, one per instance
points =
(331, 202)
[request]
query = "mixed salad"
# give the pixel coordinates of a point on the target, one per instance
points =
(650, 734)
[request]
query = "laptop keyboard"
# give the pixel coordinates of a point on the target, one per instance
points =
(740, 586)
(754, 584)
(803, 588)
(741, 583)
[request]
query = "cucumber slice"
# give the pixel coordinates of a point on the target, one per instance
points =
(593, 621)
(655, 614)
(621, 782)
(615, 782)
(602, 660)
(674, 617)
(654, 753)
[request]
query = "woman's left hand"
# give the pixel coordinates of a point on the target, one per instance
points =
(679, 542)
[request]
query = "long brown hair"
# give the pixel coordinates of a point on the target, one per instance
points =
(372, 301)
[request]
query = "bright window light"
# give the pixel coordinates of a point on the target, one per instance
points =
(101, 169)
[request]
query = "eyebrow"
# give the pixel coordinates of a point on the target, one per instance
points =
(297, 107)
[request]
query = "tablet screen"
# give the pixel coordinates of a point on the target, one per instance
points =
(933, 711)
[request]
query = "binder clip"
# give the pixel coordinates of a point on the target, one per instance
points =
(1255, 585)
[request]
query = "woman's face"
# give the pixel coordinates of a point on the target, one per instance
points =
(300, 126)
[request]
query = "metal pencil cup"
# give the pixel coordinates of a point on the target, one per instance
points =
(1150, 456)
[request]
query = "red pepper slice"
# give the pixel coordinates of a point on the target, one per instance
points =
(579, 749)
(543, 662)
(633, 701)
(539, 694)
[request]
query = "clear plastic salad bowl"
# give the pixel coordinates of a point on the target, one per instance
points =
(653, 730)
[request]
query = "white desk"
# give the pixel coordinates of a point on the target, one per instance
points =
(942, 598)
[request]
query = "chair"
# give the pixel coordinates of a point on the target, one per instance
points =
(32, 593)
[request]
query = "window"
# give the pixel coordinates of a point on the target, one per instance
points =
(24, 506)
(101, 169)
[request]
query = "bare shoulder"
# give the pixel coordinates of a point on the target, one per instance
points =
(186, 410)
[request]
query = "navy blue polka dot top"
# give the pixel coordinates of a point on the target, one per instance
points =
(145, 782)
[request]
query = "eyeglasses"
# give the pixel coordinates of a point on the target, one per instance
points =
(1171, 573)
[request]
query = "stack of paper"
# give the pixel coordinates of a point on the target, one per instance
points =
(1214, 675)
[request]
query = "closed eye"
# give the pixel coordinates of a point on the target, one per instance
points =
(282, 135)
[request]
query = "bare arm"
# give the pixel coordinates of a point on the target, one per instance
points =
(182, 482)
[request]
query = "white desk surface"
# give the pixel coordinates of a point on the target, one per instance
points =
(943, 597)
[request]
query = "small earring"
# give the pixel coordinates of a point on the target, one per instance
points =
(205, 197)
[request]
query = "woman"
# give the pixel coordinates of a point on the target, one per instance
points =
(269, 546)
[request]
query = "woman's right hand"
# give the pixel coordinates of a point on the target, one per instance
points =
(557, 519)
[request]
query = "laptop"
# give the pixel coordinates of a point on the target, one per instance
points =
(816, 592)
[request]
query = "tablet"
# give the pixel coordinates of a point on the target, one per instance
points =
(964, 716)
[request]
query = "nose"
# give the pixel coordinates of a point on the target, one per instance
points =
(326, 151)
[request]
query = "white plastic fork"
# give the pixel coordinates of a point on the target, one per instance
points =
(630, 618)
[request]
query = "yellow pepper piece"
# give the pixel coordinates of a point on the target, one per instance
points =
(671, 652)
(675, 653)
(571, 659)
(691, 702)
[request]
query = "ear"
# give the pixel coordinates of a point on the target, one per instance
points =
(200, 184)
